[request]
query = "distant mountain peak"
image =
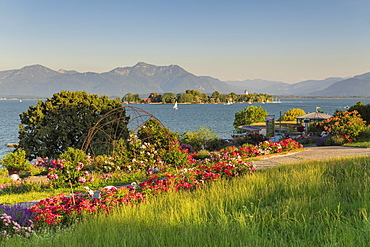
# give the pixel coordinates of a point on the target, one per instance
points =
(34, 67)
(142, 64)
(143, 78)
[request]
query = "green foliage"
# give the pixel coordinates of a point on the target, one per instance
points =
(329, 207)
(155, 152)
(344, 123)
(75, 157)
(196, 97)
(334, 141)
(16, 161)
(292, 113)
(202, 154)
(249, 115)
(129, 97)
(154, 133)
(363, 110)
(363, 140)
(315, 128)
(168, 98)
(103, 163)
(3, 171)
(204, 138)
(250, 138)
(70, 169)
(63, 121)
(155, 97)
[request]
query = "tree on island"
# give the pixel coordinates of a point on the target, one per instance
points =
(249, 115)
(168, 98)
(196, 97)
(129, 97)
(50, 127)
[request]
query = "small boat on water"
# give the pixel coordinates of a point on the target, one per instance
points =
(175, 106)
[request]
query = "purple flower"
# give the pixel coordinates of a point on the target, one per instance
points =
(19, 214)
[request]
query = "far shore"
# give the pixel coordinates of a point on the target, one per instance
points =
(280, 97)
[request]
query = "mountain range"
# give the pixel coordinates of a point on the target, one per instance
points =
(143, 78)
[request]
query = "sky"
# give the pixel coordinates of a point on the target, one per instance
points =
(279, 40)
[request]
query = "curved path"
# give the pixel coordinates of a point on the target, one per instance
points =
(312, 153)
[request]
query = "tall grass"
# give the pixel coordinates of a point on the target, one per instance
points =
(308, 204)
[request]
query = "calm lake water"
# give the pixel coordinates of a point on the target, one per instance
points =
(219, 117)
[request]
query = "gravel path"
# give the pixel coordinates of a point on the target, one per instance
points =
(312, 153)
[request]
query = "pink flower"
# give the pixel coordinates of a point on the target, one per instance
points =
(52, 176)
(81, 180)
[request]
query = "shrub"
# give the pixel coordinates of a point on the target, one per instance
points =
(363, 110)
(304, 140)
(320, 141)
(204, 138)
(202, 154)
(292, 113)
(315, 128)
(70, 169)
(16, 161)
(365, 134)
(344, 123)
(24, 186)
(336, 140)
(154, 133)
(137, 155)
(3, 171)
(250, 138)
(301, 128)
(249, 115)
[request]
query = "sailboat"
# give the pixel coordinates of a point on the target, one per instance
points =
(175, 106)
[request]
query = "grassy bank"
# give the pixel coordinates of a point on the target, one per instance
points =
(309, 204)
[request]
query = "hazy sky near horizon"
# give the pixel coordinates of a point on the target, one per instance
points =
(285, 40)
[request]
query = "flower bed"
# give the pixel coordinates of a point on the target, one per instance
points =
(64, 210)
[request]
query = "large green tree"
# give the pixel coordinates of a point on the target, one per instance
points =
(249, 115)
(50, 127)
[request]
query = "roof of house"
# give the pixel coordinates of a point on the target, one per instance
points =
(315, 116)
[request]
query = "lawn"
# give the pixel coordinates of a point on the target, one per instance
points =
(309, 204)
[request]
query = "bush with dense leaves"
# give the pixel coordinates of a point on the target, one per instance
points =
(249, 115)
(344, 123)
(291, 114)
(70, 169)
(204, 138)
(50, 127)
(363, 110)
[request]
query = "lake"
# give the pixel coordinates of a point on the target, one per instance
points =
(219, 117)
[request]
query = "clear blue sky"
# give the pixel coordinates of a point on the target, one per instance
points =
(281, 40)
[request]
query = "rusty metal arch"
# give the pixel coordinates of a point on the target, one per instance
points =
(134, 117)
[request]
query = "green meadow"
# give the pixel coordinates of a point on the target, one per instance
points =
(318, 203)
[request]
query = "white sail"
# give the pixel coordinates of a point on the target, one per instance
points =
(175, 106)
